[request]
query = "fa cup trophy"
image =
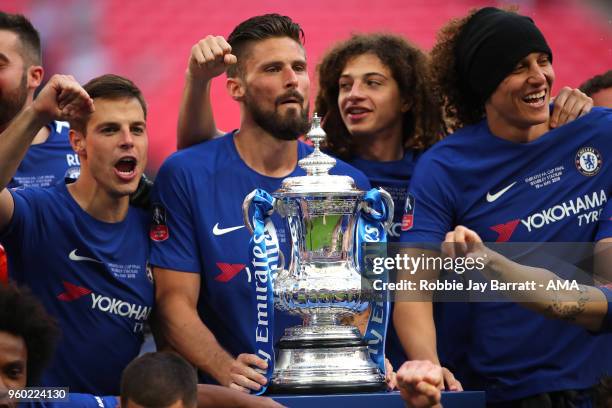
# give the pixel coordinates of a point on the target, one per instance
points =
(326, 216)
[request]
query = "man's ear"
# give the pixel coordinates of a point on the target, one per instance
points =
(35, 74)
(235, 87)
(78, 141)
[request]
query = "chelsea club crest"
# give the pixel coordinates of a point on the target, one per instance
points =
(588, 161)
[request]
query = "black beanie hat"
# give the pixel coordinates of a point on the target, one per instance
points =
(490, 45)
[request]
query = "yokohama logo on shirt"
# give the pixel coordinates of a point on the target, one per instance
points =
(587, 208)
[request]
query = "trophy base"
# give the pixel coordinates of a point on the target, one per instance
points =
(337, 362)
(324, 388)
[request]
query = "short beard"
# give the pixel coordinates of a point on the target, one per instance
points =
(12, 103)
(283, 127)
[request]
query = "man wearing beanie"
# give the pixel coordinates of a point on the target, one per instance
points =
(506, 174)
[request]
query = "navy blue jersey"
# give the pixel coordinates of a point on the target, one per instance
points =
(48, 163)
(198, 193)
(394, 177)
(551, 189)
(91, 276)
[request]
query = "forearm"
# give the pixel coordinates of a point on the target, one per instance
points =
(413, 322)
(15, 141)
(185, 332)
(585, 306)
(603, 262)
(196, 122)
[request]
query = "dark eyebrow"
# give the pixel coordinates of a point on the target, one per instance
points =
(105, 124)
(367, 74)
(278, 62)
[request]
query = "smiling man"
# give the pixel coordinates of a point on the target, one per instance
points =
(80, 247)
(505, 174)
(199, 242)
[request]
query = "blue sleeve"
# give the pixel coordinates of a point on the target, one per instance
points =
(171, 204)
(24, 211)
(606, 326)
(604, 227)
(433, 204)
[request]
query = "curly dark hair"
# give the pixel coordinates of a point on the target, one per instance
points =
(597, 83)
(422, 124)
(22, 315)
(461, 107)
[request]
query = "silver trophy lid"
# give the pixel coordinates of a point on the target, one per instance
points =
(317, 166)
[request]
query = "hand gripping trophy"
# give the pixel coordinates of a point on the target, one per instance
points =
(329, 219)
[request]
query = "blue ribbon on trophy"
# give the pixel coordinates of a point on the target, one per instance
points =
(264, 255)
(371, 229)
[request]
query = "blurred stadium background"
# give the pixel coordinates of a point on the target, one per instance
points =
(149, 41)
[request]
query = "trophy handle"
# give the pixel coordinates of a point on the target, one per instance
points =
(246, 204)
(390, 207)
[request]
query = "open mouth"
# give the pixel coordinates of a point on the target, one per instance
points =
(126, 167)
(536, 98)
(356, 112)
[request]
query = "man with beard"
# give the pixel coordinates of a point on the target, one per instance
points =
(50, 157)
(199, 242)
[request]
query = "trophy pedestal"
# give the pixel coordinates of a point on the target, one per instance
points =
(324, 360)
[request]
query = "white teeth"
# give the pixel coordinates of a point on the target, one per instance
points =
(356, 110)
(535, 96)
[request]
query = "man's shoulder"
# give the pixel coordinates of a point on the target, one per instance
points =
(599, 113)
(203, 157)
(458, 144)
(41, 195)
(598, 118)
